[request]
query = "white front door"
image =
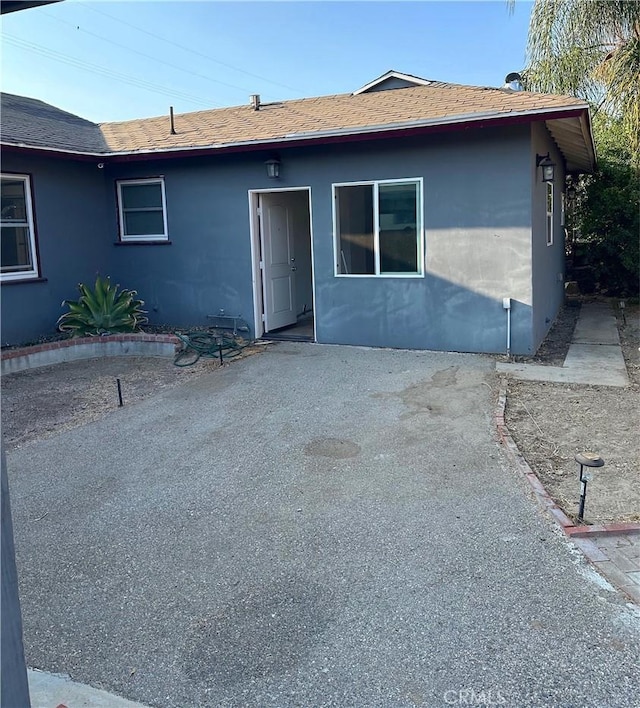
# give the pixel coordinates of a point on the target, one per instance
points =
(278, 258)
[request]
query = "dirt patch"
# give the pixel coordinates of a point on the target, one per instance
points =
(552, 422)
(553, 350)
(41, 402)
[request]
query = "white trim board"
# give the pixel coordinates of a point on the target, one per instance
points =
(255, 236)
(416, 80)
(421, 236)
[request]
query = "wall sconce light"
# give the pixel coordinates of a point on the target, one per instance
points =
(548, 167)
(273, 168)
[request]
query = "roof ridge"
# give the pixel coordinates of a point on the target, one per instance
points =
(373, 96)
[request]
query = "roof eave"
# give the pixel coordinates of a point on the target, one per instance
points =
(459, 122)
(575, 141)
(43, 149)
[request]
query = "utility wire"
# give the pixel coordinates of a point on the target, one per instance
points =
(109, 73)
(193, 51)
(147, 56)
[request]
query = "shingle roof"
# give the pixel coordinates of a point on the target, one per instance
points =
(33, 123)
(26, 121)
(338, 113)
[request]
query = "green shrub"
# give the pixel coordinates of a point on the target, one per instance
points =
(102, 310)
(607, 217)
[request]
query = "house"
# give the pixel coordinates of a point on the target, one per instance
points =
(400, 215)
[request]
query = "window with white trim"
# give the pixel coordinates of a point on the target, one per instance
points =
(18, 247)
(142, 210)
(549, 202)
(378, 228)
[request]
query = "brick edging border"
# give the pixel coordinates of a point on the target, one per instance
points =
(48, 353)
(64, 343)
(542, 496)
(581, 536)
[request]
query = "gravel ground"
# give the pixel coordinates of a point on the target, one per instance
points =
(552, 422)
(316, 526)
(41, 402)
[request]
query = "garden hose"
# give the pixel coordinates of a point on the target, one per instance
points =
(208, 344)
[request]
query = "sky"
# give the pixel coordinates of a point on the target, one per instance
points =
(113, 61)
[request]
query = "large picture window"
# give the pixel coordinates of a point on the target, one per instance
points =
(378, 228)
(18, 248)
(142, 210)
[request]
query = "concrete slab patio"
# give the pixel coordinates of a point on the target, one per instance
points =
(313, 526)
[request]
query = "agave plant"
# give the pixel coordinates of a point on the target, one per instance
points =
(102, 310)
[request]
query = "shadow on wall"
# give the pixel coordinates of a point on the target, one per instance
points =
(419, 313)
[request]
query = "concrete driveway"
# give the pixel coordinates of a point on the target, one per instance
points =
(312, 526)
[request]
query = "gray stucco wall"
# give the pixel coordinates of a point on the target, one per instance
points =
(477, 202)
(207, 265)
(477, 247)
(477, 219)
(548, 261)
(71, 224)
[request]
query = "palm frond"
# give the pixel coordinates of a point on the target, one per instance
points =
(590, 49)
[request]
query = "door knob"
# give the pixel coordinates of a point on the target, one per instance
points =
(293, 268)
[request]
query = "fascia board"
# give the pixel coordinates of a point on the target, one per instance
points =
(314, 135)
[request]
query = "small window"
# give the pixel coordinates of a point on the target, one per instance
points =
(549, 213)
(18, 248)
(142, 210)
(378, 228)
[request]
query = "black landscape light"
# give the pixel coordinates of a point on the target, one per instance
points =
(586, 459)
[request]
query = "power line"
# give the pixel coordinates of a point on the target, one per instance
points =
(193, 51)
(109, 73)
(147, 56)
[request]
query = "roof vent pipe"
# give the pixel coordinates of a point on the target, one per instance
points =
(171, 122)
(255, 101)
(513, 82)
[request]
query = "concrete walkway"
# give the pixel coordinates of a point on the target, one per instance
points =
(594, 356)
(54, 690)
(310, 526)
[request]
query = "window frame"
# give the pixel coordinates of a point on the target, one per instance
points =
(420, 240)
(34, 272)
(141, 238)
(550, 213)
